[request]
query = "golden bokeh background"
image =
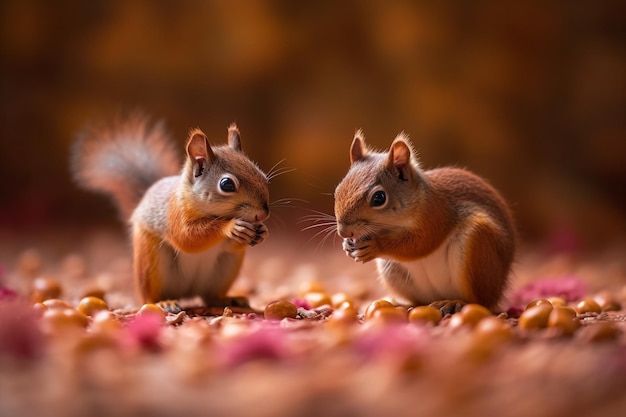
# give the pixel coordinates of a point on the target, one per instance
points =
(531, 95)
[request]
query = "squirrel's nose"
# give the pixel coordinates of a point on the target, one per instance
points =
(259, 217)
(344, 231)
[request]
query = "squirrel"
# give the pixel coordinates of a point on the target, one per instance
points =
(190, 228)
(443, 237)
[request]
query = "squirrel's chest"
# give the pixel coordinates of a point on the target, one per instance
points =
(434, 277)
(206, 273)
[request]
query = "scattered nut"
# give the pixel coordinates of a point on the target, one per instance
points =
(376, 305)
(425, 314)
(280, 309)
(536, 317)
(588, 305)
(45, 288)
(470, 315)
(563, 318)
(317, 299)
(90, 305)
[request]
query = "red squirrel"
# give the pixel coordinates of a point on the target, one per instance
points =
(190, 228)
(443, 237)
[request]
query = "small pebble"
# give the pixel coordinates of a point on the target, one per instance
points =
(228, 312)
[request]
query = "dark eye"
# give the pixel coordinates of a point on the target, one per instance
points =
(379, 198)
(227, 185)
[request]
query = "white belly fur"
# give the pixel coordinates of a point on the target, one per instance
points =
(435, 277)
(196, 273)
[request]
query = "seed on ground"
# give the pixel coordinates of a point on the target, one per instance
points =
(425, 314)
(535, 317)
(280, 309)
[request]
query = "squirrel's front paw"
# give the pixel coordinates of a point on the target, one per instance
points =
(248, 233)
(261, 234)
(359, 250)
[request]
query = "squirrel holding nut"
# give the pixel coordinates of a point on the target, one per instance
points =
(190, 228)
(443, 237)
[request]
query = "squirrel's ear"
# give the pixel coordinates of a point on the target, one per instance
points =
(234, 140)
(358, 150)
(199, 151)
(399, 158)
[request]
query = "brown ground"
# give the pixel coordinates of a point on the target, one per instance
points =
(245, 365)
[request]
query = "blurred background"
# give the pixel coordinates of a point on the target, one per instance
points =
(530, 95)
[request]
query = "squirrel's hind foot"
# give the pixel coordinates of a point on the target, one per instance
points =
(448, 306)
(170, 306)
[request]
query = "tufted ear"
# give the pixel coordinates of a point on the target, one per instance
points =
(234, 140)
(199, 151)
(358, 150)
(399, 157)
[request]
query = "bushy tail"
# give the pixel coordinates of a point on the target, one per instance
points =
(123, 158)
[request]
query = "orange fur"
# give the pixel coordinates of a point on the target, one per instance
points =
(486, 260)
(189, 236)
(433, 224)
(189, 231)
(425, 210)
(145, 265)
(441, 212)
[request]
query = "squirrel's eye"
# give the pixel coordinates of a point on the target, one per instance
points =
(379, 198)
(227, 185)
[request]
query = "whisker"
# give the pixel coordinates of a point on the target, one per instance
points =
(324, 224)
(274, 167)
(319, 220)
(314, 219)
(276, 171)
(318, 215)
(216, 218)
(280, 172)
(387, 226)
(280, 223)
(331, 232)
(326, 232)
(314, 226)
(284, 202)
